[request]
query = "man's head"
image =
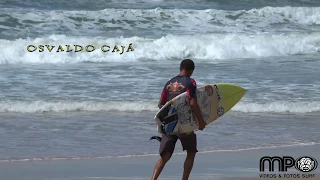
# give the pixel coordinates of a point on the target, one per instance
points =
(186, 67)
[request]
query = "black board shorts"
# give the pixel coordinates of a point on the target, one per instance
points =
(188, 142)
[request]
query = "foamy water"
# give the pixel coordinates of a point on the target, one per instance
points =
(211, 48)
(69, 106)
(56, 105)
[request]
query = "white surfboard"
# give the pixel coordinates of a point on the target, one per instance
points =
(214, 101)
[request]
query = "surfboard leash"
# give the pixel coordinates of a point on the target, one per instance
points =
(158, 138)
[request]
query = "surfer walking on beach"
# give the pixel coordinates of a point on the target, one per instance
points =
(177, 85)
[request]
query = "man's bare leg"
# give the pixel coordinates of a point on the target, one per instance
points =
(188, 164)
(160, 165)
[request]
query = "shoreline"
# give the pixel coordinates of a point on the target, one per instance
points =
(214, 165)
(149, 155)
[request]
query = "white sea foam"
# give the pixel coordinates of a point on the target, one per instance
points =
(210, 47)
(279, 107)
(61, 106)
(67, 106)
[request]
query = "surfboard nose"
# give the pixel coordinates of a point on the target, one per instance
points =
(230, 90)
(230, 94)
(240, 90)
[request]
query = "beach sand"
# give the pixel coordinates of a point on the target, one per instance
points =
(242, 164)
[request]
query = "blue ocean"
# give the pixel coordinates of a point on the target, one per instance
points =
(56, 103)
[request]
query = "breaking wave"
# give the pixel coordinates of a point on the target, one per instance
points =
(124, 106)
(210, 48)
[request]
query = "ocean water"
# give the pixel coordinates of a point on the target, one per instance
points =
(101, 104)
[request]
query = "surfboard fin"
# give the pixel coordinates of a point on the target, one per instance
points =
(156, 137)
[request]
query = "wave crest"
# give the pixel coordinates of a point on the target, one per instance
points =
(137, 106)
(208, 47)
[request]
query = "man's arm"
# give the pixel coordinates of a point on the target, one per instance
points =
(163, 98)
(196, 109)
(191, 90)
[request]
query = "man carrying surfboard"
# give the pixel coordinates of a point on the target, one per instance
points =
(175, 86)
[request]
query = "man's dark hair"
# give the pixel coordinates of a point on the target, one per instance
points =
(187, 64)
